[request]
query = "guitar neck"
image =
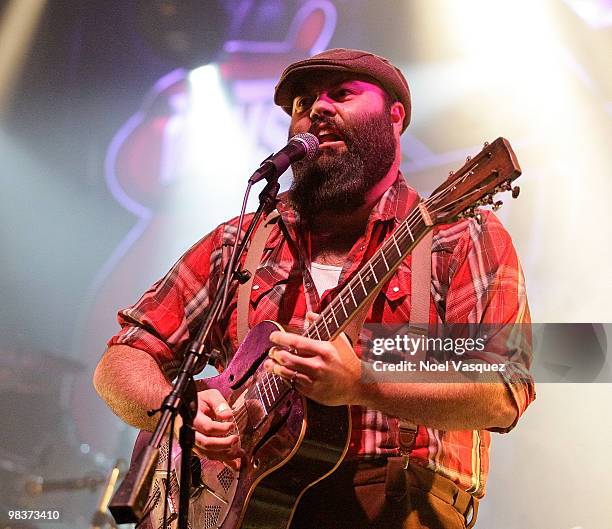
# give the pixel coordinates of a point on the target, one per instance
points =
(370, 279)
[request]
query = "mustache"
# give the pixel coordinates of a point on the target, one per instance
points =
(323, 121)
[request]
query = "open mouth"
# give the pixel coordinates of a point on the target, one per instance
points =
(328, 137)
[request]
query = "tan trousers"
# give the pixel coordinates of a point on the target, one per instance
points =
(384, 495)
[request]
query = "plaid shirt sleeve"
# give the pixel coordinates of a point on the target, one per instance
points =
(162, 322)
(487, 291)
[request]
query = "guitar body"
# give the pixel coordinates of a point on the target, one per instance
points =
(290, 442)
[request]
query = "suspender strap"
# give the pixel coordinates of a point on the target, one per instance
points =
(420, 287)
(419, 321)
(254, 255)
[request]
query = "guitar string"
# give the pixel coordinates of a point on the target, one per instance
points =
(242, 410)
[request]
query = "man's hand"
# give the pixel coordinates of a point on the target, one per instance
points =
(215, 431)
(321, 371)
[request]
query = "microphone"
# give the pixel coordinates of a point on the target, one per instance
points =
(303, 145)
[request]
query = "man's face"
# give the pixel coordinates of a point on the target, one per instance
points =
(351, 119)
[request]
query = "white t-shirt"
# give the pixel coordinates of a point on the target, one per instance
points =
(324, 276)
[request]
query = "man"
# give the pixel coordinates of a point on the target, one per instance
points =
(340, 207)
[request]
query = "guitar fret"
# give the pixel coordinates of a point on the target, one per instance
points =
(260, 397)
(343, 308)
(373, 273)
(362, 285)
(276, 384)
(352, 295)
(326, 328)
(409, 231)
(265, 384)
(267, 397)
(382, 253)
(399, 252)
(331, 308)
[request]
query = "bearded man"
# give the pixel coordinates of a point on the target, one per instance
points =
(341, 206)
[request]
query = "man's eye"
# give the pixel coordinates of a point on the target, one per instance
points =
(302, 103)
(341, 93)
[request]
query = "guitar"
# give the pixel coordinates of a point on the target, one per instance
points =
(291, 442)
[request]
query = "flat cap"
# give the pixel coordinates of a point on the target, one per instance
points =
(344, 60)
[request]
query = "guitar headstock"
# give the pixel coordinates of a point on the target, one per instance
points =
(476, 183)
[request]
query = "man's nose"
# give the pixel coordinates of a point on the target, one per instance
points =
(322, 106)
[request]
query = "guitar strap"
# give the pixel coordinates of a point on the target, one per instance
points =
(419, 310)
(420, 288)
(258, 243)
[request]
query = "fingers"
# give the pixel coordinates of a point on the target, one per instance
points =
(311, 317)
(217, 445)
(298, 379)
(215, 431)
(291, 360)
(296, 358)
(224, 449)
(212, 400)
(305, 347)
(204, 424)
(234, 464)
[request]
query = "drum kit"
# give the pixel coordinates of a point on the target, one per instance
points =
(43, 469)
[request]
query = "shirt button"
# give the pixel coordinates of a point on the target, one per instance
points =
(308, 285)
(395, 289)
(255, 287)
(362, 248)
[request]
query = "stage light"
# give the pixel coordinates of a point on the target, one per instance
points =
(219, 145)
(16, 31)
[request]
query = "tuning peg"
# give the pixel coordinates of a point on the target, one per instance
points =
(486, 144)
(468, 158)
(506, 186)
(497, 205)
(516, 191)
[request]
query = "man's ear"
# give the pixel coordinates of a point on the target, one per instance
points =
(397, 114)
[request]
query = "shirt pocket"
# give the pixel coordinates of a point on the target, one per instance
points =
(397, 289)
(393, 303)
(266, 294)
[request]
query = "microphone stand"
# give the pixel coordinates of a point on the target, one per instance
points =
(100, 517)
(129, 501)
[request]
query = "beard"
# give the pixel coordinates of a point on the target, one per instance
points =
(338, 182)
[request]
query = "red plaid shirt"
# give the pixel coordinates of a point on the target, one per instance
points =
(476, 278)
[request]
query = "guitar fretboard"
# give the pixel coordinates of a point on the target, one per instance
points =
(369, 280)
